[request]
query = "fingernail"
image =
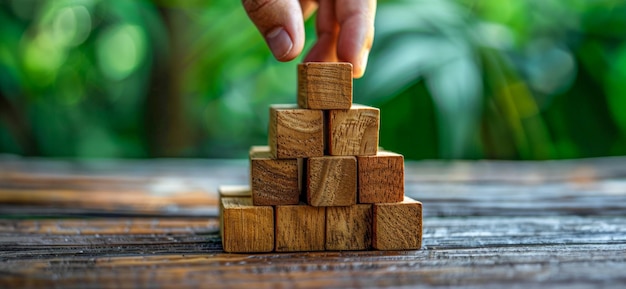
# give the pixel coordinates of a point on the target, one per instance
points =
(279, 42)
(363, 63)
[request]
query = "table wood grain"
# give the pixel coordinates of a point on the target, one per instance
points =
(153, 224)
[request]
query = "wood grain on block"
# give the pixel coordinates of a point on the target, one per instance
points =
(231, 191)
(324, 85)
(300, 228)
(331, 181)
(354, 131)
(349, 228)
(397, 226)
(245, 227)
(295, 133)
(381, 178)
(273, 181)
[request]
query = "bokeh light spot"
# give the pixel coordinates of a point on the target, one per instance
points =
(71, 25)
(42, 59)
(120, 51)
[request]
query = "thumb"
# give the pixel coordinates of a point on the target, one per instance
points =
(281, 24)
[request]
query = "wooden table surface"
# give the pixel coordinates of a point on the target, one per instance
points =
(153, 223)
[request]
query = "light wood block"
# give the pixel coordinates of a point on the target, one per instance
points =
(234, 191)
(246, 228)
(295, 133)
(231, 191)
(273, 181)
(331, 181)
(381, 178)
(349, 228)
(397, 226)
(300, 228)
(353, 132)
(324, 85)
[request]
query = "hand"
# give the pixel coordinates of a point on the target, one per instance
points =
(345, 29)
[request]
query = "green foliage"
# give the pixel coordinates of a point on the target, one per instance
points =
(530, 79)
(508, 79)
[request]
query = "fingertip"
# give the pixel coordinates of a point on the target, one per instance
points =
(360, 66)
(354, 44)
(281, 24)
(282, 45)
(356, 36)
(324, 50)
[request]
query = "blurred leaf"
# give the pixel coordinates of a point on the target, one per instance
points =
(531, 79)
(456, 87)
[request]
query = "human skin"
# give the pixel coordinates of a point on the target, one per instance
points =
(345, 29)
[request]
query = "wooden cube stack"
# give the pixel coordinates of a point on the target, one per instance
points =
(321, 183)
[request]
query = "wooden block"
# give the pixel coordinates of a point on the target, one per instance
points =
(331, 181)
(397, 226)
(246, 228)
(295, 133)
(273, 181)
(324, 85)
(381, 178)
(353, 132)
(349, 228)
(231, 191)
(234, 191)
(300, 228)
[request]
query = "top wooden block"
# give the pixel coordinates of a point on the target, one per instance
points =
(323, 85)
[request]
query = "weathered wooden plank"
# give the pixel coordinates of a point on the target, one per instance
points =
(504, 224)
(519, 265)
(108, 226)
(581, 187)
(439, 233)
(602, 197)
(455, 250)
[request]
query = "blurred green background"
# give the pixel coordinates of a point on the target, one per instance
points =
(533, 79)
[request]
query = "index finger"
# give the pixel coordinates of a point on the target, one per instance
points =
(356, 35)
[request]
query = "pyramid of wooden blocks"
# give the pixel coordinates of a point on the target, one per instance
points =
(321, 183)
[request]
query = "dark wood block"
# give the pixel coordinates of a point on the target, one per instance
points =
(381, 178)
